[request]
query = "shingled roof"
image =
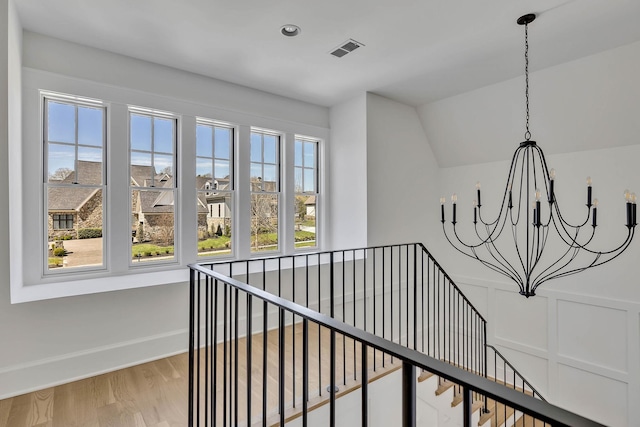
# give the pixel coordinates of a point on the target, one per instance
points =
(73, 198)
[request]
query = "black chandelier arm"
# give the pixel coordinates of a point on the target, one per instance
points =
(490, 234)
(616, 252)
(594, 263)
(514, 230)
(541, 278)
(491, 266)
(504, 267)
(547, 271)
(574, 241)
(561, 227)
(506, 192)
(631, 231)
(567, 223)
(502, 261)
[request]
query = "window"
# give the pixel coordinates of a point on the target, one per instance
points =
(214, 175)
(265, 190)
(74, 145)
(152, 143)
(306, 192)
(63, 221)
(105, 207)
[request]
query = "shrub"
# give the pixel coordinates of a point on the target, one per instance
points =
(148, 253)
(59, 252)
(66, 237)
(166, 251)
(219, 231)
(89, 233)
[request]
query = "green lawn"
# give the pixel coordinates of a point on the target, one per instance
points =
(144, 249)
(266, 241)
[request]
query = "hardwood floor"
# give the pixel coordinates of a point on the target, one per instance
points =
(155, 394)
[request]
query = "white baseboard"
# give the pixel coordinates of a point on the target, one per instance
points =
(40, 374)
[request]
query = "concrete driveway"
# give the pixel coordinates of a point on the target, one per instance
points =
(83, 252)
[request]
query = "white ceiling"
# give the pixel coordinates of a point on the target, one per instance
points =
(416, 51)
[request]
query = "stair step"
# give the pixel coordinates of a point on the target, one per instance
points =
(424, 376)
(444, 386)
(498, 414)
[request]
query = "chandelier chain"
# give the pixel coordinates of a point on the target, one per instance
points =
(527, 134)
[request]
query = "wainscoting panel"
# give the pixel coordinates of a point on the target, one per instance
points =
(536, 368)
(593, 334)
(524, 324)
(607, 397)
(478, 295)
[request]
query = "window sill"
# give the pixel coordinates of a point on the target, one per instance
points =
(67, 287)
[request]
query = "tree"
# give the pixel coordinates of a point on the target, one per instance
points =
(301, 209)
(60, 174)
(264, 215)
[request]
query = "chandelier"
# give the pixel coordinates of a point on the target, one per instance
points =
(530, 213)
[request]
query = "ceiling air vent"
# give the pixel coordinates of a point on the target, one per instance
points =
(346, 47)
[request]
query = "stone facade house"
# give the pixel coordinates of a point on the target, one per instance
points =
(71, 209)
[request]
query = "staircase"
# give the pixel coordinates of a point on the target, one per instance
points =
(277, 341)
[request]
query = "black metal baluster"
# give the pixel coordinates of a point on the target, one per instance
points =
(249, 355)
(198, 320)
(281, 366)
(206, 351)
(364, 402)
(293, 331)
(364, 293)
(344, 318)
(215, 350)
(384, 306)
(391, 294)
(192, 288)
(224, 361)
(375, 318)
(355, 376)
(265, 322)
(415, 296)
(332, 380)
(408, 395)
(305, 370)
(235, 356)
(319, 331)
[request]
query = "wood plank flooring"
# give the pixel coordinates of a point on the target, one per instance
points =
(155, 394)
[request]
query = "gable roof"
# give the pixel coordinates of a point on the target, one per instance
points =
(67, 198)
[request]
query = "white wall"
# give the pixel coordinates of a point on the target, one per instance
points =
(58, 340)
(401, 174)
(348, 175)
(578, 340)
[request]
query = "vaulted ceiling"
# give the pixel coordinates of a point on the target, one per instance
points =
(414, 51)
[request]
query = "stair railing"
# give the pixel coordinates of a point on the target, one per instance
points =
(233, 325)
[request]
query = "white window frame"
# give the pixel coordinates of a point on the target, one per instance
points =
(231, 190)
(278, 192)
(76, 101)
(316, 190)
(27, 190)
(153, 114)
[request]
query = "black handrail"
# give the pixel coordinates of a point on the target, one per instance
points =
(537, 408)
(451, 327)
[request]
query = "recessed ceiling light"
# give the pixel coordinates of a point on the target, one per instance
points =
(290, 30)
